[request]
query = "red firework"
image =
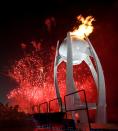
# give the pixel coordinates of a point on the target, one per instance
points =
(34, 75)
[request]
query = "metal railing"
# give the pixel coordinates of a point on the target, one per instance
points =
(59, 100)
(44, 103)
(85, 107)
(48, 105)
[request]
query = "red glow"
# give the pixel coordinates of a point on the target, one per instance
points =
(34, 75)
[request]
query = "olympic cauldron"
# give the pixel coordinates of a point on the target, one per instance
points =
(73, 51)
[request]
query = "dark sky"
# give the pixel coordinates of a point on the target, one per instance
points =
(21, 22)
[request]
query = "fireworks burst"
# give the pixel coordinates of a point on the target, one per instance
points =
(34, 75)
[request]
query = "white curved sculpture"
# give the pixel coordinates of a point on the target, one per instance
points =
(73, 51)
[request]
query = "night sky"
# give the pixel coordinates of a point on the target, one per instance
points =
(24, 22)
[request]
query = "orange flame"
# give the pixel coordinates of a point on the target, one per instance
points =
(85, 28)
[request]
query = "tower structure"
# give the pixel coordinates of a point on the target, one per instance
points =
(73, 50)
